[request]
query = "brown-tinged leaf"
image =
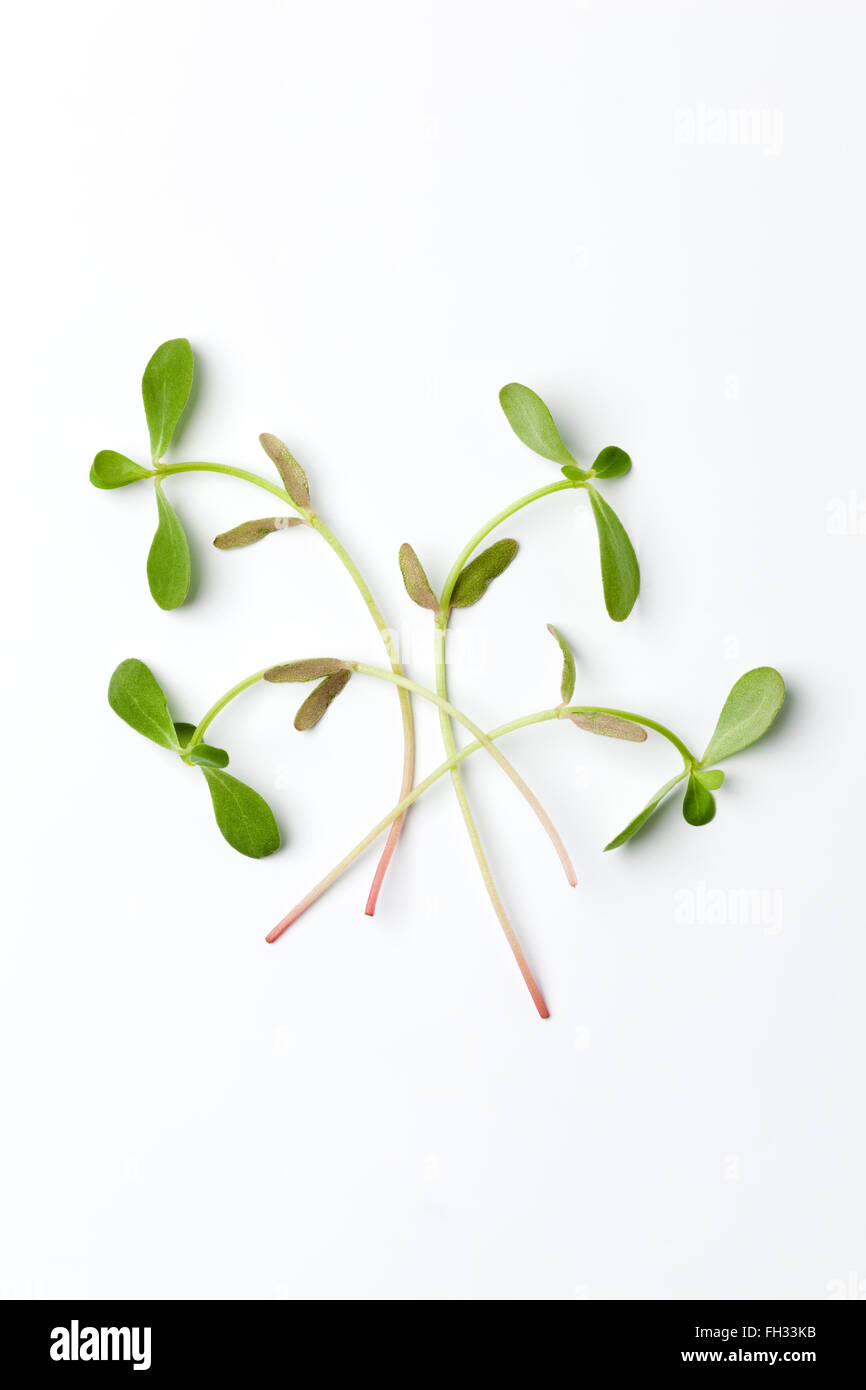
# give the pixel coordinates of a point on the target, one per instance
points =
(474, 581)
(310, 669)
(610, 725)
(418, 586)
(293, 476)
(316, 704)
(251, 531)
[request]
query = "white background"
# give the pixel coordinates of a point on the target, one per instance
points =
(367, 218)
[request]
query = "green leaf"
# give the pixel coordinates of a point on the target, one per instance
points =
(611, 463)
(533, 423)
(699, 805)
(205, 755)
(568, 671)
(641, 819)
(712, 778)
(619, 568)
(573, 473)
(317, 703)
(137, 696)
(610, 725)
(165, 389)
(748, 712)
(184, 733)
(168, 564)
(474, 581)
(293, 476)
(418, 586)
(244, 818)
(110, 469)
(310, 669)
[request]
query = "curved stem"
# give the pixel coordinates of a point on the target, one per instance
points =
(481, 739)
(472, 829)
(221, 704)
(450, 765)
(681, 748)
(400, 810)
(452, 712)
(543, 716)
(163, 469)
(473, 544)
(408, 773)
(441, 630)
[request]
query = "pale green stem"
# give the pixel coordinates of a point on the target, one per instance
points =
(451, 763)
(400, 810)
(471, 546)
(448, 742)
(510, 771)
(230, 471)
(543, 716)
(221, 704)
(408, 773)
(687, 757)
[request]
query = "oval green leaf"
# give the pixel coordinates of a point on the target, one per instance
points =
(699, 804)
(418, 586)
(251, 531)
(611, 463)
(245, 819)
(136, 695)
(533, 423)
(474, 581)
(310, 669)
(293, 476)
(620, 574)
(712, 778)
(573, 473)
(643, 816)
(184, 733)
(168, 563)
(566, 689)
(205, 755)
(317, 703)
(110, 469)
(748, 712)
(165, 389)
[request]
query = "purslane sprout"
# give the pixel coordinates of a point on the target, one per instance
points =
(243, 817)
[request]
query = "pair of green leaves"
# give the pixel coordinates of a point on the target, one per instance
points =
(472, 582)
(165, 389)
(336, 675)
(752, 705)
(534, 425)
(244, 818)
